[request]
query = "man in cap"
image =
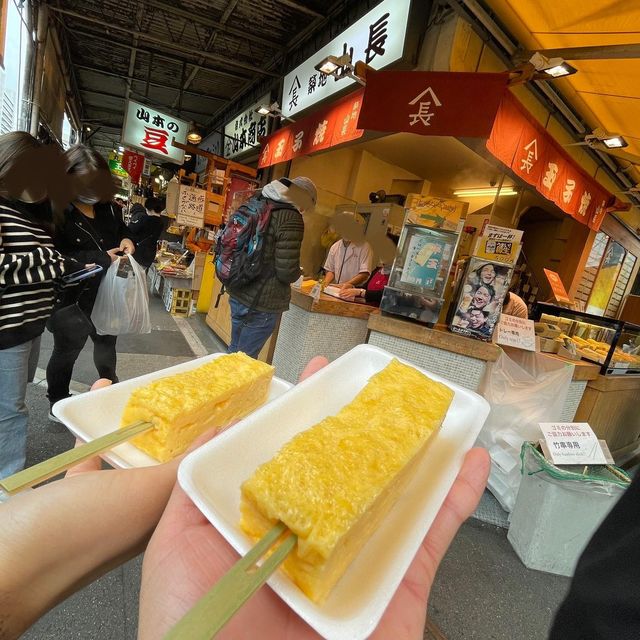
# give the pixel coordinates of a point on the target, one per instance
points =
(257, 306)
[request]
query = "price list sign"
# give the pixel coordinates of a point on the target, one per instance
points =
(572, 443)
(191, 207)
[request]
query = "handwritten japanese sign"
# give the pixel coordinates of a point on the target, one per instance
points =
(246, 129)
(377, 38)
(516, 332)
(572, 443)
(191, 206)
(153, 132)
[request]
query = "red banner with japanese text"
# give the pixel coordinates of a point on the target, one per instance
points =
(432, 103)
(326, 128)
(133, 164)
(526, 147)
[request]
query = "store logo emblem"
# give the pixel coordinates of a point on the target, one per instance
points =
(424, 113)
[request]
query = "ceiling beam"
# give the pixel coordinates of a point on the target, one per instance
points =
(214, 24)
(300, 7)
(161, 85)
(596, 52)
(164, 43)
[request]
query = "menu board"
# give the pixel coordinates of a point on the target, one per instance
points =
(191, 206)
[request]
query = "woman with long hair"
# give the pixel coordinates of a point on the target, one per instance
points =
(91, 231)
(29, 265)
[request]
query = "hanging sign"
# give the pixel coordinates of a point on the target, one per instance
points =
(191, 206)
(434, 212)
(505, 234)
(432, 103)
(559, 292)
(153, 132)
(516, 332)
(532, 154)
(572, 443)
(116, 168)
(133, 164)
(325, 128)
(246, 130)
(377, 39)
(497, 250)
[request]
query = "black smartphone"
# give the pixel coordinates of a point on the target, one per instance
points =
(76, 276)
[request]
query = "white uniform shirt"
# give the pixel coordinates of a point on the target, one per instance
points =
(347, 262)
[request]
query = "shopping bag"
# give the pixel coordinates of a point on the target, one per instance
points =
(122, 304)
(523, 389)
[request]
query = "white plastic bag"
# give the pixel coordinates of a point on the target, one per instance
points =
(523, 389)
(122, 304)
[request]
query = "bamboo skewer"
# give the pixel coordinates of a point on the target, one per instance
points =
(53, 466)
(225, 598)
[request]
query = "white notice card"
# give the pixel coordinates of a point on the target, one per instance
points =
(191, 206)
(516, 332)
(572, 443)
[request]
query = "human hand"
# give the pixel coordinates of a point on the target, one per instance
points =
(114, 253)
(186, 556)
(127, 246)
(348, 292)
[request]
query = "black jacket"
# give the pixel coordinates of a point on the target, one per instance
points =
(281, 264)
(145, 230)
(88, 240)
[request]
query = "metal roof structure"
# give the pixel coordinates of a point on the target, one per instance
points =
(192, 58)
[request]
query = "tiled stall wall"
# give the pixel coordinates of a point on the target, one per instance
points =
(465, 371)
(303, 335)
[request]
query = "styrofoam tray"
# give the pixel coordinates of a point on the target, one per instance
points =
(357, 602)
(91, 415)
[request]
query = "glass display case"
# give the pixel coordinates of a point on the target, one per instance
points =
(611, 343)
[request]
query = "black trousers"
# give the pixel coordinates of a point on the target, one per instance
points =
(66, 349)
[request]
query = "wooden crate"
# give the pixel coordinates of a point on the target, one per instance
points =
(177, 301)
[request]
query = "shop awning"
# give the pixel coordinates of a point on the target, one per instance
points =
(326, 128)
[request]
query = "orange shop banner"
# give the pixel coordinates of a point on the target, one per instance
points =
(326, 128)
(432, 103)
(526, 147)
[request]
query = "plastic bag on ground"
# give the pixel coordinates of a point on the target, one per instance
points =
(523, 389)
(122, 303)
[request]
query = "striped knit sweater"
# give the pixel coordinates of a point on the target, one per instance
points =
(28, 266)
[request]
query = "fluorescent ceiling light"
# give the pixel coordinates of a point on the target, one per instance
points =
(482, 192)
(615, 142)
(263, 110)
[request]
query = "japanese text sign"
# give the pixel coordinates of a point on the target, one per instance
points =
(246, 130)
(516, 332)
(434, 212)
(572, 443)
(557, 287)
(377, 39)
(530, 152)
(212, 144)
(133, 164)
(504, 234)
(432, 103)
(191, 206)
(153, 132)
(497, 250)
(326, 128)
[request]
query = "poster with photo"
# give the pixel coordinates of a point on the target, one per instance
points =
(423, 260)
(480, 297)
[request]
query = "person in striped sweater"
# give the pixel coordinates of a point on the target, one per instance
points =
(29, 265)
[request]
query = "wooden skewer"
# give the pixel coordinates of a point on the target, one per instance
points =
(226, 597)
(53, 466)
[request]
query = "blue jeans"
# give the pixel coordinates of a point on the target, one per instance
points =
(17, 367)
(250, 329)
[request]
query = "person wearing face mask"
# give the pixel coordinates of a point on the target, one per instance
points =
(91, 231)
(29, 265)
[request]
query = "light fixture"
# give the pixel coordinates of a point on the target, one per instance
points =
(553, 67)
(339, 67)
(194, 136)
(485, 192)
(272, 111)
(121, 149)
(88, 128)
(615, 142)
(157, 180)
(264, 110)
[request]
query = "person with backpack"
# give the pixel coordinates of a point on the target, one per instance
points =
(258, 257)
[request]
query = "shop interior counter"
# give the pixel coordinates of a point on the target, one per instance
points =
(328, 327)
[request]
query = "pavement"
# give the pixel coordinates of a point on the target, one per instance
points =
(482, 590)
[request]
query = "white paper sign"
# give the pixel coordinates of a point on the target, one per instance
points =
(246, 129)
(191, 206)
(516, 332)
(377, 39)
(153, 132)
(572, 443)
(502, 233)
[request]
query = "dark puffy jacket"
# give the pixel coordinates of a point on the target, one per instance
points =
(281, 264)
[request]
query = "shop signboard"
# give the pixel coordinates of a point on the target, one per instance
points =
(328, 127)
(116, 168)
(505, 234)
(497, 250)
(518, 333)
(211, 144)
(434, 212)
(153, 132)
(432, 103)
(526, 147)
(377, 38)
(557, 287)
(246, 130)
(191, 206)
(133, 164)
(572, 443)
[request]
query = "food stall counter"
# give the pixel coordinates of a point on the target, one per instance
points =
(325, 327)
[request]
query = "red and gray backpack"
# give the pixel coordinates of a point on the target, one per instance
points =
(239, 250)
